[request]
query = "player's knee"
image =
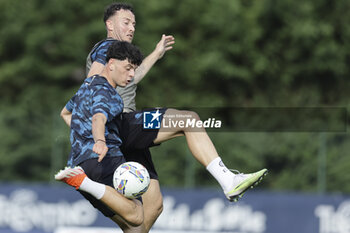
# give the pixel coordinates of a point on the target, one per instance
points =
(182, 114)
(138, 221)
(158, 207)
(155, 209)
(152, 213)
(193, 115)
(135, 218)
(188, 117)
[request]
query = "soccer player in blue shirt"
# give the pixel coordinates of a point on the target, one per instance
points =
(95, 138)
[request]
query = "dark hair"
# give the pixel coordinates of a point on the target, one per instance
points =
(122, 50)
(114, 7)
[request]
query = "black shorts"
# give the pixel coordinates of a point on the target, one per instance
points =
(101, 172)
(137, 141)
(132, 133)
(142, 156)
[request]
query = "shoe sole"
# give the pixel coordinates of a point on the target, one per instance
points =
(240, 195)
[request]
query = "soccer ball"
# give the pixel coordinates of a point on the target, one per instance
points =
(131, 179)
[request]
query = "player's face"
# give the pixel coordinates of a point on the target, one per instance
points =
(123, 25)
(123, 72)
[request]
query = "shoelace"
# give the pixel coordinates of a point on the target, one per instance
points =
(237, 173)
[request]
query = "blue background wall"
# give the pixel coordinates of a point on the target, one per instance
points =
(44, 208)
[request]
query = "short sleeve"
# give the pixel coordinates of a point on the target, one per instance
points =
(100, 53)
(70, 104)
(103, 101)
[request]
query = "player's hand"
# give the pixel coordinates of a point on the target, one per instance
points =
(101, 149)
(164, 45)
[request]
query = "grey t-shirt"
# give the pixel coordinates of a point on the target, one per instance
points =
(128, 95)
(98, 53)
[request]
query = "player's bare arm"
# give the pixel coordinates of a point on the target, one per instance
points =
(164, 45)
(66, 115)
(98, 132)
(96, 68)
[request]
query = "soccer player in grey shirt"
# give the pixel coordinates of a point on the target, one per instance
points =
(120, 24)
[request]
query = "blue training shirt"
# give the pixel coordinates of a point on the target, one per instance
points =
(94, 96)
(98, 53)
